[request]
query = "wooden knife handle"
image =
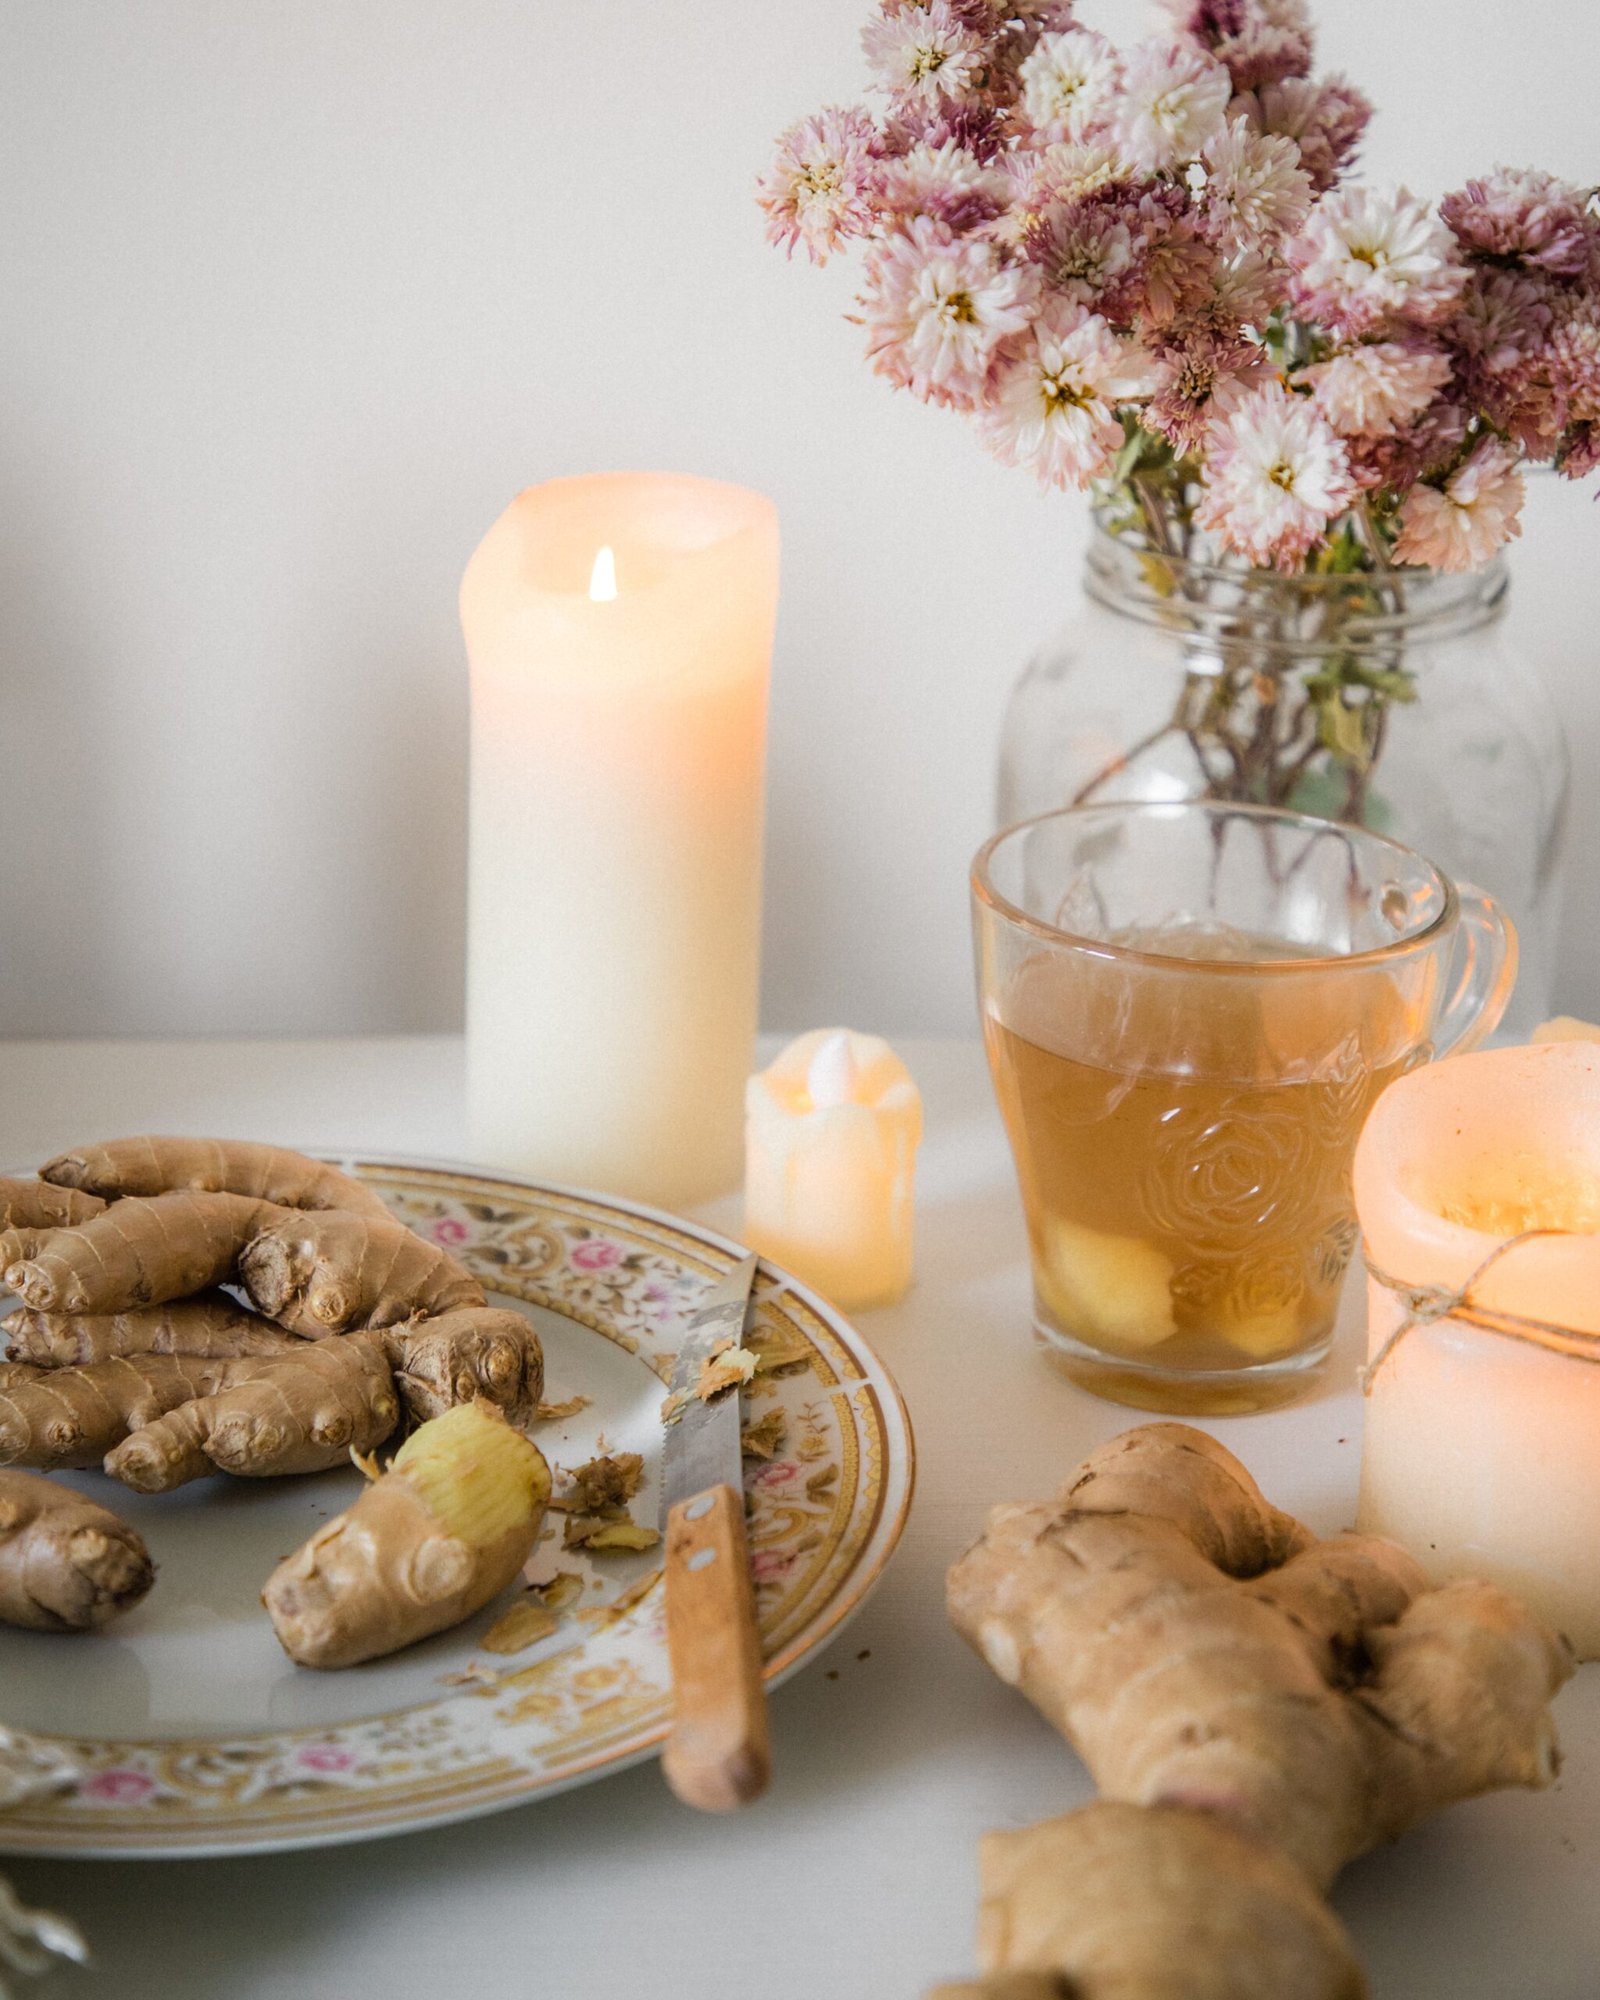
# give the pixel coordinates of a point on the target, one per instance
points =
(718, 1755)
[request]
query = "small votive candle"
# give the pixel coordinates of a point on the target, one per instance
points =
(1481, 1451)
(831, 1136)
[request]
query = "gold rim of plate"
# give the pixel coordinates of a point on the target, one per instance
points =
(824, 1522)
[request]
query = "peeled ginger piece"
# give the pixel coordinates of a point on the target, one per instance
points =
(1110, 1291)
(477, 1476)
(1261, 1334)
(429, 1542)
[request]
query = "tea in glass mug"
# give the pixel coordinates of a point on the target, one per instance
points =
(1189, 1009)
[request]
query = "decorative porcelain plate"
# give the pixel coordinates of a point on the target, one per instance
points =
(184, 1730)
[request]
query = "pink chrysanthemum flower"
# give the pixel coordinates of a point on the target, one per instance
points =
(1173, 102)
(1178, 262)
(1522, 214)
(818, 189)
(976, 126)
(1199, 376)
(1421, 449)
(1502, 335)
(946, 182)
(1086, 254)
(1255, 190)
(1575, 362)
(1579, 454)
(1504, 318)
(1460, 526)
(1056, 178)
(1069, 85)
(1245, 289)
(925, 53)
(1054, 406)
(1325, 120)
(1275, 476)
(1261, 41)
(1365, 260)
(938, 308)
(1373, 391)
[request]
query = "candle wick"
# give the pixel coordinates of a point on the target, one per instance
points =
(833, 1073)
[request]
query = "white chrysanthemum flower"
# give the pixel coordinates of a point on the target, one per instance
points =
(1478, 512)
(1374, 391)
(1173, 103)
(1054, 407)
(1069, 84)
(1364, 258)
(927, 53)
(1275, 476)
(1255, 190)
(937, 308)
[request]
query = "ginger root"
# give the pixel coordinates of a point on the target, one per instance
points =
(1257, 1707)
(266, 1419)
(438, 1535)
(150, 1166)
(158, 1420)
(323, 1271)
(136, 1252)
(486, 1351)
(313, 1271)
(66, 1565)
(53, 1418)
(212, 1324)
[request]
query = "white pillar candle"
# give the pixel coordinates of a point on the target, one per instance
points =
(1481, 1452)
(831, 1136)
(619, 632)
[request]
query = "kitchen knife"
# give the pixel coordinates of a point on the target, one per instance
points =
(717, 1756)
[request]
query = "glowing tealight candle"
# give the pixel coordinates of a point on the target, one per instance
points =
(1481, 1451)
(619, 630)
(831, 1136)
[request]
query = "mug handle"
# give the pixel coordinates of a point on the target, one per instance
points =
(1486, 948)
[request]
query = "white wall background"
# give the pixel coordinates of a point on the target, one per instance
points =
(297, 294)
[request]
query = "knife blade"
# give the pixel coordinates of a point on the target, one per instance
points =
(717, 1755)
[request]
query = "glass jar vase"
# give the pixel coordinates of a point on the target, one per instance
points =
(1388, 701)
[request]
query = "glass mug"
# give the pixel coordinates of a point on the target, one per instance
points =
(1189, 1009)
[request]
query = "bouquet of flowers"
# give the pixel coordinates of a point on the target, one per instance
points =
(1144, 271)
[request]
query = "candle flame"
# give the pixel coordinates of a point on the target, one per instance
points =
(603, 577)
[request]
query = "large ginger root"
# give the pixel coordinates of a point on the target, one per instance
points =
(267, 1419)
(212, 1324)
(148, 1166)
(443, 1531)
(66, 1565)
(37, 1205)
(325, 1271)
(136, 1252)
(159, 1420)
(54, 1418)
(313, 1271)
(29, 1210)
(1267, 1705)
(1117, 1900)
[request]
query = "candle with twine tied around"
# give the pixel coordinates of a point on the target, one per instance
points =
(1477, 1184)
(619, 630)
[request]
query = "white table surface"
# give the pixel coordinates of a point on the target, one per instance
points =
(855, 1879)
